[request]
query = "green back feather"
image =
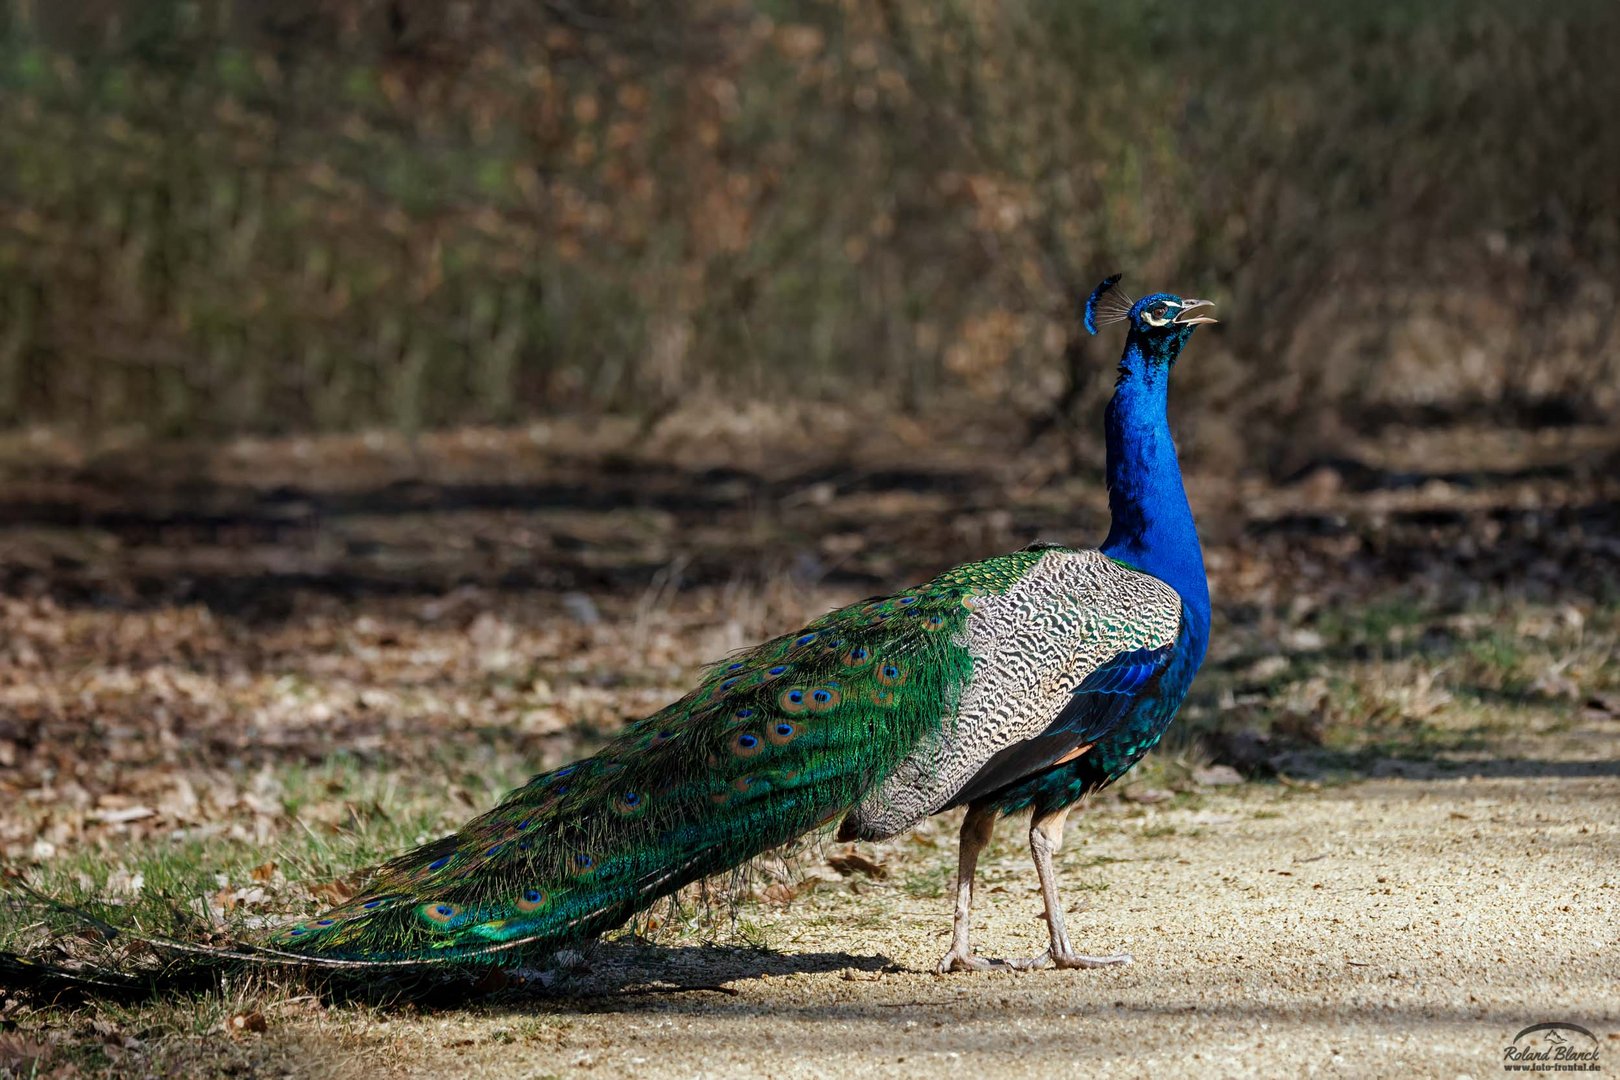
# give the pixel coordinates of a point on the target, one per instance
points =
(775, 742)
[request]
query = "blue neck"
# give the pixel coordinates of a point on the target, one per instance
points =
(1153, 526)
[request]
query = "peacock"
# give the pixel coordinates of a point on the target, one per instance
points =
(1022, 682)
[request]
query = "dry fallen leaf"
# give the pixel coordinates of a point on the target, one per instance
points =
(20, 1055)
(778, 892)
(1217, 776)
(333, 892)
(853, 862)
(124, 816)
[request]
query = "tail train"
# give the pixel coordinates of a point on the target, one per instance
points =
(773, 744)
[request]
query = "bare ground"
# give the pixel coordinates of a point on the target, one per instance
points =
(1394, 927)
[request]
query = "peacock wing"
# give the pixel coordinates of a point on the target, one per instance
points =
(1097, 708)
(1033, 649)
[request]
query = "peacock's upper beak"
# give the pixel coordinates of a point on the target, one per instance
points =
(1187, 316)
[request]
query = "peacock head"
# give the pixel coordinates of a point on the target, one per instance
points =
(1162, 321)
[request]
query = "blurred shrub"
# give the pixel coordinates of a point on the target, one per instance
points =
(244, 215)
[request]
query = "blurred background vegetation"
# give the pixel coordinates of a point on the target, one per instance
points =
(228, 216)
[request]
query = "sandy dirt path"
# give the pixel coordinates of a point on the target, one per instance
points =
(1395, 926)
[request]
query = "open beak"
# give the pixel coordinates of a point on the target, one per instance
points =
(1188, 316)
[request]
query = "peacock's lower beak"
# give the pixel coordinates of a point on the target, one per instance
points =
(1187, 316)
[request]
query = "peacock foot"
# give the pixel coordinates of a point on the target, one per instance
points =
(1070, 961)
(964, 960)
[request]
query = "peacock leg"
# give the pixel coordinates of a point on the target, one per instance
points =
(976, 829)
(1045, 837)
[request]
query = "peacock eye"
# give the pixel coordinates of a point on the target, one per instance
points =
(1158, 312)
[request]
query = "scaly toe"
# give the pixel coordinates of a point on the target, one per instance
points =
(1069, 960)
(966, 961)
(1073, 960)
